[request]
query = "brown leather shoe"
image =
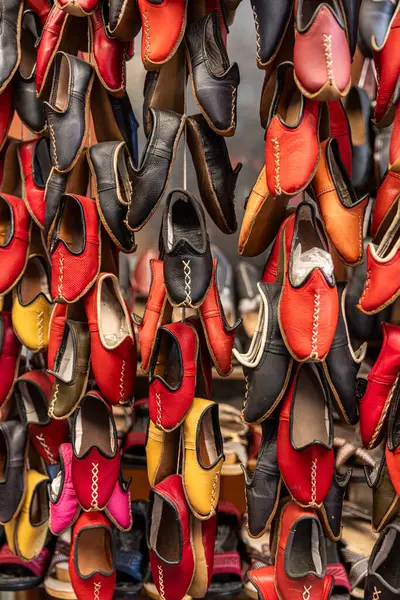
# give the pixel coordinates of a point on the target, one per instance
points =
(71, 369)
(342, 213)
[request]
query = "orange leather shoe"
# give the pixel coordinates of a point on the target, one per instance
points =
(262, 218)
(382, 284)
(291, 143)
(386, 196)
(164, 26)
(309, 305)
(342, 214)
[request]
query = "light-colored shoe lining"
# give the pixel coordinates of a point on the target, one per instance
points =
(310, 411)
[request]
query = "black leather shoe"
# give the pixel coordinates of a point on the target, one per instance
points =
(263, 485)
(13, 445)
(10, 40)
(271, 20)
(383, 580)
(375, 21)
(342, 364)
(29, 108)
(67, 111)
(351, 10)
(385, 501)
(358, 109)
(215, 177)
(266, 360)
(185, 249)
(111, 169)
(332, 507)
(124, 20)
(150, 180)
(214, 79)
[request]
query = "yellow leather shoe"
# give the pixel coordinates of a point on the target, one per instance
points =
(162, 451)
(33, 521)
(32, 305)
(202, 458)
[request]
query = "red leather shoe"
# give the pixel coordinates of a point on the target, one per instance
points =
(92, 572)
(56, 330)
(32, 157)
(386, 196)
(159, 43)
(322, 59)
(387, 64)
(219, 335)
(33, 391)
(96, 458)
(380, 386)
(291, 143)
(74, 248)
(80, 8)
(48, 45)
(339, 128)
(263, 580)
(6, 113)
(309, 305)
(158, 311)
(394, 149)
(10, 349)
(300, 534)
(112, 340)
(203, 535)
(41, 8)
(172, 375)
(15, 233)
(271, 266)
(169, 539)
(108, 54)
(382, 283)
(305, 437)
(204, 363)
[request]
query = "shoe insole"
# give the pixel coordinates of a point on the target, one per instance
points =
(165, 532)
(94, 427)
(207, 442)
(183, 224)
(309, 417)
(386, 562)
(34, 281)
(356, 119)
(94, 551)
(42, 163)
(29, 35)
(5, 222)
(215, 49)
(390, 240)
(3, 457)
(341, 184)
(39, 508)
(305, 552)
(66, 365)
(35, 409)
(60, 91)
(290, 101)
(169, 361)
(124, 187)
(71, 226)
(250, 320)
(113, 323)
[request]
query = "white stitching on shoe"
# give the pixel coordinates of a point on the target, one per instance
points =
(257, 24)
(96, 591)
(328, 57)
(306, 595)
(213, 493)
(61, 276)
(40, 319)
(277, 158)
(54, 400)
(159, 413)
(53, 141)
(314, 336)
(95, 486)
(121, 382)
(187, 271)
(366, 286)
(147, 35)
(376, 593)
(49, 453)
(314, 481)
(234, 92)
(246, 393)
(161, 582)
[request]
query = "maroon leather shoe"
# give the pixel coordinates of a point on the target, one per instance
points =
(33, 392)
(6, 113)
(379, 387)
(305, 437)
(10, 349)
(300, 534)
(387, 63)
(96, 456)
(172, 375)
(169, 539)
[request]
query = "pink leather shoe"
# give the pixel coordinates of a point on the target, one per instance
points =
(118, 509)
(64, 507)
